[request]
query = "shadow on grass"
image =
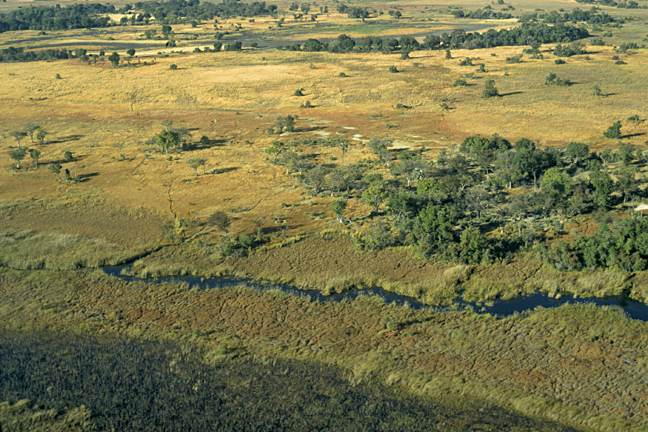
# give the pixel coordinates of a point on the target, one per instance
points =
(634, 135)
(510, 93)
(66, 139)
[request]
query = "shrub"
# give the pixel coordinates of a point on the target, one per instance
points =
(393, 69)
(173, 67)
(559, 61)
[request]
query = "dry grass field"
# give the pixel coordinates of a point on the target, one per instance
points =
(108, 116)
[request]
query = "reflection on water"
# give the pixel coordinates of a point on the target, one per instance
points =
(150, 386)
(632, 309)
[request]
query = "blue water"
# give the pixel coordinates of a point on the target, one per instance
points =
(633, 309)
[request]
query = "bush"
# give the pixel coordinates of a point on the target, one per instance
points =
(173, 67)
(559, 61)
(393, 69)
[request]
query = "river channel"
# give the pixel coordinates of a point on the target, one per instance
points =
(633, 309)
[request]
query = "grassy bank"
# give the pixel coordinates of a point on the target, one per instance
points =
(579, 364)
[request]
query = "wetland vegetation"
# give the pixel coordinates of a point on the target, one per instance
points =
(452, 154)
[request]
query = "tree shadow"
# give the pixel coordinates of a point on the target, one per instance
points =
(633, 135)
(510, 93)
(223, 170)
(66, 139)
(188, 147)
(86, 177)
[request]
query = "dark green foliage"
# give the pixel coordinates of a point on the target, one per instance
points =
(614, 131)
(393, 69)
(481, 14)
(114, 59)
(622, 246)
(569, 50)
(559, 61)
(552, 79)
(173, 66)
(490, 90)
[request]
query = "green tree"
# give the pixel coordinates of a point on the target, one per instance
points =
(338, 210)
(56, 169)
(35, 154)
(473, 246)
(626, 153)
(603, 187)
(18, 155)
(626, 182)
(168, 139)
(614, 131)
(375, 195)
(18, 136)
(344, 146)
(275, 148)
(195, 164)
(114, 59)
(131, 52)
(40, 135)
(577, 151)
(490, 90)
(68, 156)
(558, 182)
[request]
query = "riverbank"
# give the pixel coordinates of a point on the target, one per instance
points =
(583, 365)
(331, 264)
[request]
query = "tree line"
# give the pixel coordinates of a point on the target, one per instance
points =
(47, 18)
(526, 34)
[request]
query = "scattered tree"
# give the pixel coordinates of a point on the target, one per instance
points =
(195, 164)
(614, 131)
(35, 154)
(114, 59)
(40, 135)
(490, 90)
(18, 135)
(18, 155)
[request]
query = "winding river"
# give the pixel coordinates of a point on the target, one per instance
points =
(633, 309)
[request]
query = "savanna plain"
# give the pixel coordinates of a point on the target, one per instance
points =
(193, 194)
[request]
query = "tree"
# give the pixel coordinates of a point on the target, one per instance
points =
(577, 151)
(614, 131)
(490, 90)
(477, 199)
(473, 246)
(626, 153)
(56, 169)
(344, 146)
(68, 156)
(40, 135)
(338, 210)
(316, 178)
(379, 147)
(114, 59)
(35, 154)
(375, 194)
(131, 52)
(195, 164)
(168, 139)
(597, 91)
(18, 135)
(275, 148)
(557, 182)
(603, 187)
(18, 155)
(30, 129)
(626, 182)
(219, 220)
